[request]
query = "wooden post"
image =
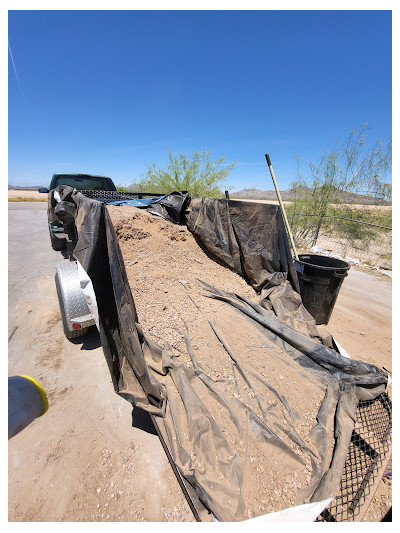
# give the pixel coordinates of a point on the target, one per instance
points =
(283, 209)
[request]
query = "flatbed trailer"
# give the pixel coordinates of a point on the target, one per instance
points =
(366, 461)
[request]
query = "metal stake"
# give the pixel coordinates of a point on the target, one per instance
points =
(317, 232)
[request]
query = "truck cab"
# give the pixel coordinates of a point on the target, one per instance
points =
(83, 182)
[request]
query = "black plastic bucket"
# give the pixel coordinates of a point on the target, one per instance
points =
(320, 279)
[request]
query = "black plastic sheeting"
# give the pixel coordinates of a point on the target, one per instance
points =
(250, 239)
(171, 207)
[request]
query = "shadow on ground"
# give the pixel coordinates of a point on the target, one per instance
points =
(142, 420)
(89, 341)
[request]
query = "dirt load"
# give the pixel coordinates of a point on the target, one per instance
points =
(164, 263)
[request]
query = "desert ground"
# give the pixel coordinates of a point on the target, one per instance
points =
(15, 195)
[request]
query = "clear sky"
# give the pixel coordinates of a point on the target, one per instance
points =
(109, 92)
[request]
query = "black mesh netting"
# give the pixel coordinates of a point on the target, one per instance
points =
(370, 444)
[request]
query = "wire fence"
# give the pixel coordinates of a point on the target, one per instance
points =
(363, 241)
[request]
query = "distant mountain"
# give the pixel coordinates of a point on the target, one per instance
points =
(288, 195)
(257, 194)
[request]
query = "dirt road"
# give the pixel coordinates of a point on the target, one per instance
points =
(83, 460)
(362, 318)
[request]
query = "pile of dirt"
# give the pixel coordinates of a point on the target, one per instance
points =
(163, 263)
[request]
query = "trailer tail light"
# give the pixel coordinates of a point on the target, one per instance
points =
(75, 325)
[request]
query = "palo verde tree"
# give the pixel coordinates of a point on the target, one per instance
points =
(198, 175)
(353, 168)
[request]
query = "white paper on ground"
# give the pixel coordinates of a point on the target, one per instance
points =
(307, 512)
(315, 249)
(342, 351)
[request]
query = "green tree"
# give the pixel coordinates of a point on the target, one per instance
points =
(352, 167)
(198, 175)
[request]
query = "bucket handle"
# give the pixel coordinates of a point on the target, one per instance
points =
(310, 279)
(340, 274)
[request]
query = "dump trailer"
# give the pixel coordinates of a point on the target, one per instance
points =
(355, 412)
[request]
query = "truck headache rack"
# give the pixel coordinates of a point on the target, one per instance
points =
(112, 196)
(366, 461)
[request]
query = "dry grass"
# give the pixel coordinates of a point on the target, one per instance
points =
(26, 199)
(26, 196)
(377, 253)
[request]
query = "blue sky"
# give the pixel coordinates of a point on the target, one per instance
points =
(109, 92)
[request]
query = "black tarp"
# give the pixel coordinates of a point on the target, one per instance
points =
(171, 207)
(215, 457)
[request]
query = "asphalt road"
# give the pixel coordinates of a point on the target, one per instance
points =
(31, 262)
(89, 458)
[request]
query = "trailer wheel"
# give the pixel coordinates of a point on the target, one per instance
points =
(75, 333)
(56, 243)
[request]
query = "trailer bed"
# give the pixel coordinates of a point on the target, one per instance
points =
(353, 497)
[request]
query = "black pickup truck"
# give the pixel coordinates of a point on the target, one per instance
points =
(84, 182)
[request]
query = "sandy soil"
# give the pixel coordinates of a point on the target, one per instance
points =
(82, 461)
(362, 318)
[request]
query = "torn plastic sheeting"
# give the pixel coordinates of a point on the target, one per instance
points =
(212, 450)
(347, 369)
